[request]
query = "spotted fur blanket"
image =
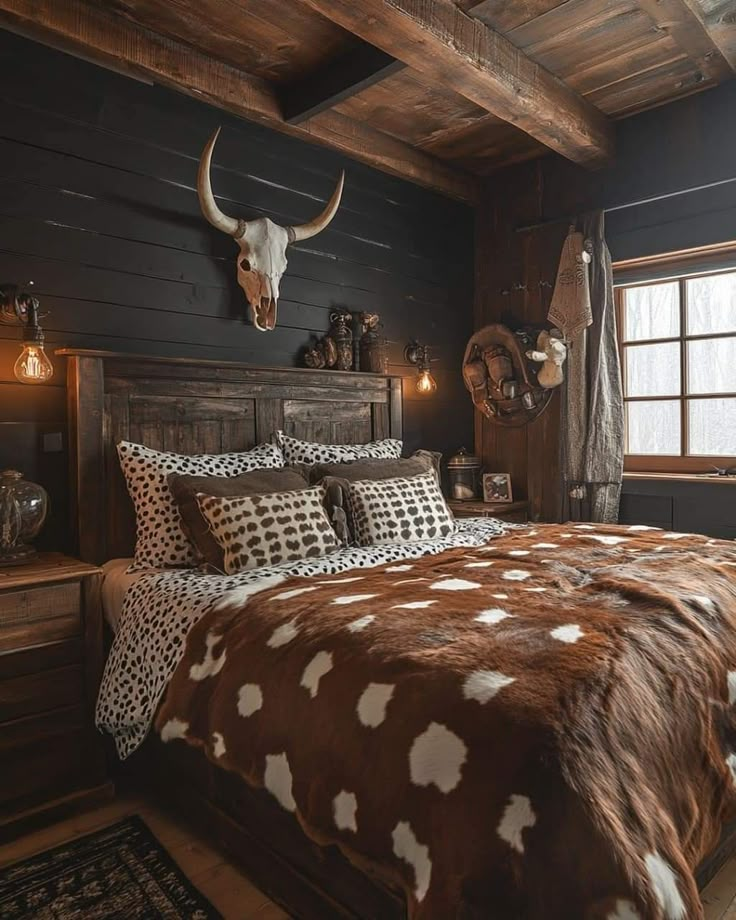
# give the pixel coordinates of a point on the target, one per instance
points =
(537, 728)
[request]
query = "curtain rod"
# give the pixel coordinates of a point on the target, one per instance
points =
(568, 218)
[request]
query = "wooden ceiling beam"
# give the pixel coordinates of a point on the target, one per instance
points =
(719, 19)
(688, 30)
(357, 70)
(94, 34)
(461, 53)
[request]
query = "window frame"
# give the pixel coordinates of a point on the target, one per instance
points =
(682, 462)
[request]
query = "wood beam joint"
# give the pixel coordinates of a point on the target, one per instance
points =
(355, 71)
(461, 53)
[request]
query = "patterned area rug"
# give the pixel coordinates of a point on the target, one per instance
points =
(119, 872)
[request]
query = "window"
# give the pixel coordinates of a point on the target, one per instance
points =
(678, 357)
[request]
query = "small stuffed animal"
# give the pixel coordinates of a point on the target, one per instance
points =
(552, 351)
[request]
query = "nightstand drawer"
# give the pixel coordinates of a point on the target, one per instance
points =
(43, 691)
(36, 615)
(43, 657)
(51, 655)
(45, 755)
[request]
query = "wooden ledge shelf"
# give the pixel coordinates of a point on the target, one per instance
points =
(681, 477)
(514, 512)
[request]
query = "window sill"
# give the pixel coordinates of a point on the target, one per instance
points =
(682, 477)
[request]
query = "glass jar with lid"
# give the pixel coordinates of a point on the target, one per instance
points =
(23, 508)
(464, 469)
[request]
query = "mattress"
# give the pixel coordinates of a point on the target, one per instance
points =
(115, 582)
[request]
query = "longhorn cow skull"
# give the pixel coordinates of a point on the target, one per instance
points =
(262, 259)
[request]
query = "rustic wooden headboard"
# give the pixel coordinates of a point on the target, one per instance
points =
(193, 406)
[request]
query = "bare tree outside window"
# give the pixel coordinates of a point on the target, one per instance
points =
(678, 356)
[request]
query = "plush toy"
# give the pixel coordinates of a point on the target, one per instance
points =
(552, 351)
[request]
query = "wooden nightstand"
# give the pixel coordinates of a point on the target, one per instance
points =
(51, 757)
(514, 512)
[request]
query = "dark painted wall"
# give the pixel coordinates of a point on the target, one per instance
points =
(686, 144)
(98, 208)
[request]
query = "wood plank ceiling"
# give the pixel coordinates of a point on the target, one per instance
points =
(438, 91)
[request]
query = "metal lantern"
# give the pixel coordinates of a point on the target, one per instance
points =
(373, 347)
(464, 469)
(341, 334)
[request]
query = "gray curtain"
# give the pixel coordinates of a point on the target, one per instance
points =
(592, 400)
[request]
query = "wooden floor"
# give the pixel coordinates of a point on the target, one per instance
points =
(719, 898)
(225, 886)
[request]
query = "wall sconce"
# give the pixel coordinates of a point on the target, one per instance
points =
(419, 355)
(20, 308)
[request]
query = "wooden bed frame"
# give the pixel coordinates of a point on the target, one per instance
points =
(194, 406)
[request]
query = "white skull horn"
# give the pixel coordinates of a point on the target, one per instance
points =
(304, 231)
(207, 202)
(262, 260)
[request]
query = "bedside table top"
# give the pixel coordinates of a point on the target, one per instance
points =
(480, 506)
(46, 567)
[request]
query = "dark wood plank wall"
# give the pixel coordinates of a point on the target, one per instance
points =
(98, 208)
(686, 144)
(691, 507)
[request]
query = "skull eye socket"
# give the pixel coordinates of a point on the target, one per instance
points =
(244, 265)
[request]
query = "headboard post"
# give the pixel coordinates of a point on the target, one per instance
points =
(86, 408)
(193, 406)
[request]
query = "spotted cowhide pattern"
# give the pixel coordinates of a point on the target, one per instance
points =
(399, 510)
(540, 728)
(256, 530)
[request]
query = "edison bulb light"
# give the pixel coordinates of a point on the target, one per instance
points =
(426, 384)
(33, 366)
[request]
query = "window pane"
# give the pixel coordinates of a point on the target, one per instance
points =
(711, 366)
(652, 312)
(712, 427)
(653, 427)
(711, 304)
(653, 370)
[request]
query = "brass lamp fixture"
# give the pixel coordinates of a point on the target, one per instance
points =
(419, 355)
(21, 308)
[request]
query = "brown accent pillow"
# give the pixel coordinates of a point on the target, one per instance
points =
(185, 488)
(421, 461)
(336, 477)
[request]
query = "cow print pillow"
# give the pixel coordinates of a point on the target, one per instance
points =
(402, 510)
(161, 541)
(296, 451)
(267, 529)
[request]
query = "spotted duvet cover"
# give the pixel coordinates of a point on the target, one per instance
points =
(161, 608)
(540, 727)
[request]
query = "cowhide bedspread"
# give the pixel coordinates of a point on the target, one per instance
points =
(538, 728)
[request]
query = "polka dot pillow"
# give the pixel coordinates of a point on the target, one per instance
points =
(161, 541)
(401, 510)
(259, 530)
(296, 451)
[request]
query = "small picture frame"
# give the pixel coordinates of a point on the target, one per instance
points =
(497, 487)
